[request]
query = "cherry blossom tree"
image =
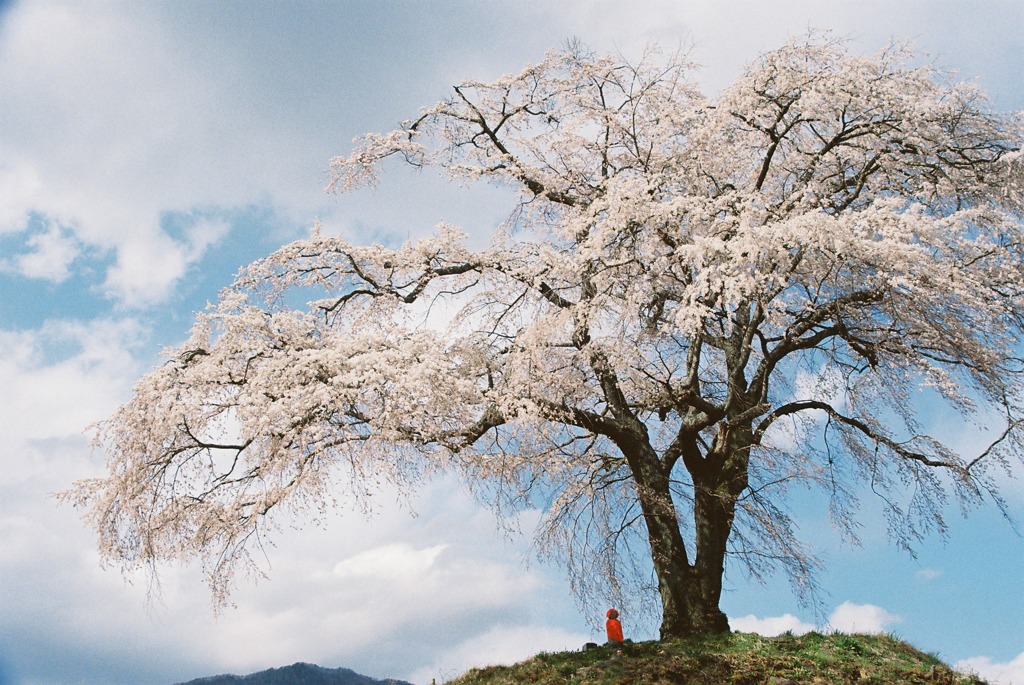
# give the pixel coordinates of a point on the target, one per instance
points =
(695, 304)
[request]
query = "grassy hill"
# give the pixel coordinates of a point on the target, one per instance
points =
(738, 659)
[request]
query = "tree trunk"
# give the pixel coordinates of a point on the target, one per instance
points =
(671, 565)
(713, 516)
(690, 593)
(682, 612)
(717, 485)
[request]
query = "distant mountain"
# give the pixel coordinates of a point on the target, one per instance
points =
(296, 674)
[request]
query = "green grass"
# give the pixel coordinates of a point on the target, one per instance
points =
(736, 658)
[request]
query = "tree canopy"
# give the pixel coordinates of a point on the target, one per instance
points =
(695, 303)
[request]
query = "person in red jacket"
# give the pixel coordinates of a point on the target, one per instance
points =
(614, 628)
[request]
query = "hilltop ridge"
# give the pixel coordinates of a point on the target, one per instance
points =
(737, 659)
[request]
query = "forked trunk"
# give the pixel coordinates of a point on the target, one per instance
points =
(691, 591)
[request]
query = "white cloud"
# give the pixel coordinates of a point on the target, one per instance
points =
(996, 673)
(109, 124)
(927, 574)
(204, 234)
(861, 618)
(114, 119)
(49, 257)
(847, 617)
(975, 40)
(18, 185)
(62, 377)
(501, 645)
(390, 561)
(770, 626)
(149, 263)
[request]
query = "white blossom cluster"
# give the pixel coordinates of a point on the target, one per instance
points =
(634, 338)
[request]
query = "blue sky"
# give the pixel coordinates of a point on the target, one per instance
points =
(148, 150)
